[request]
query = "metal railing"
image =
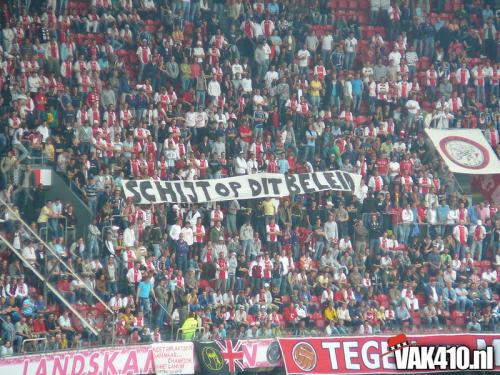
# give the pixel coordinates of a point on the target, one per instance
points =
(53, 289)
(195, 331)
(34, 340)
(54, 253)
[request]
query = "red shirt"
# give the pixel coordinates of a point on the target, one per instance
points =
(40, 100)
(39, 326)
(290, 315)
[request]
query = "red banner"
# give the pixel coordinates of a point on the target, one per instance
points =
(488, 186)
(365, 354)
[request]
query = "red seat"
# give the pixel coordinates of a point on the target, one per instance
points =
(320, 324)
(360, 120)
(343, 4)
(316, 316)
(204, 284)
(362, 19)
(353, 5)
(485, 264)
(458, 318)
(364, 5)
(420, 298)
(415, 316)
(121, 52)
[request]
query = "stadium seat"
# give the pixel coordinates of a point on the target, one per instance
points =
(458, 318)
(320, 324)
(415, 316)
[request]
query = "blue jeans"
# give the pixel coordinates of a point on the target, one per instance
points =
(374, 244)
(160, 317)
(92, 203)
(247, 248)
(309, 153)
(335, 101)
(113, 287)
(3, 143)
(186, 82)
(429, 47)
(231, 224)
(240, 284)
(23, 153)
(53, 227)
(318, 251)
(463, 303)
(218, 8)
(145, 305)
(186, 6)
(356, 102)
(230, 282)
(200, 98)
(404, 233)
(477, 246)
(156, 250)
(92, 248)
(315, 101)
(195, 7)
(349, 59)
(182, 262)
(480, 95)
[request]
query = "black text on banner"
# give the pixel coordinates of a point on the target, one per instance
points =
(239, 187)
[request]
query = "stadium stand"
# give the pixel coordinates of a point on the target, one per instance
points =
(102, 91)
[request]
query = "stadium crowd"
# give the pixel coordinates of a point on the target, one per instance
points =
(107, 90)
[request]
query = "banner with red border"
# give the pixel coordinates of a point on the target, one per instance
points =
(366, 354)
(465, 151)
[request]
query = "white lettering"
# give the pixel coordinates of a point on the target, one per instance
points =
(481, 344)
(351, 352)
(426, 357)
(387, 360)
(331, 347)
(370, 360)
(401, 358)
(440, 358)
(414, 360)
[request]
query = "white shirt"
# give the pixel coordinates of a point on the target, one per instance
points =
(175, 231)
(64, 322)
(240, 166)
(190, 119)
(188, 235)
(128, 237)
(407, 216)
(350, 44)
(303, 55)
(214, 88)
(395, 56)
(331, 231)
(29, 254)
(327, 42)
(413, 106)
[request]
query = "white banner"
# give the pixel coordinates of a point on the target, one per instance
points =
(176, 358)
(241, 187)
(173, 357)
(465, 151)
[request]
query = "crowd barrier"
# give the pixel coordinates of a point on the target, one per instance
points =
(335, 354)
